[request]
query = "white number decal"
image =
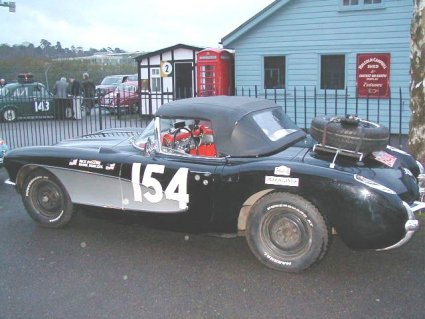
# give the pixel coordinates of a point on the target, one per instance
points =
(42, 106)
(149, 181)
(176, 189)
(135, 180)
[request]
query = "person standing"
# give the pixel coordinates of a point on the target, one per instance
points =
(89, 90)
(61, 91)
(61, 88)
(2, 83)
(76, 97)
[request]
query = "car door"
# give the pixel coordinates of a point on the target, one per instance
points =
(42, 105)
(169, 183)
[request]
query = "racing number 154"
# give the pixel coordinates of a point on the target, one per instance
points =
(176, 189)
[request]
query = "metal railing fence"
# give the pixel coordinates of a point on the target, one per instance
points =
(44, 120)
(47, 121)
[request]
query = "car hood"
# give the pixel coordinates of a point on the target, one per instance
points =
(106, 86)
(122, 94)
(111, 138)
(96, 142)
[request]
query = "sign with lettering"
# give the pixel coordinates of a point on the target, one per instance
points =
(373, 75)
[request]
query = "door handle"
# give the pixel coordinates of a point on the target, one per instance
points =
(206, 174)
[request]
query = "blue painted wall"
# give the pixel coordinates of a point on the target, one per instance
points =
(303, 30)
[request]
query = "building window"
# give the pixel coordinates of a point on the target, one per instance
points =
(332, 72)
(350, 2)
(274, 72)
(360, 3)
(145, 85)
(156, 85)
(155, 80)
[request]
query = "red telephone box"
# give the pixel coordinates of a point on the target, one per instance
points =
(215, 72)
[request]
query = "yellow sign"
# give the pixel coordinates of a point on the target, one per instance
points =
(166, 68)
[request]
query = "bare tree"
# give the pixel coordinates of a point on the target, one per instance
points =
(417, 85)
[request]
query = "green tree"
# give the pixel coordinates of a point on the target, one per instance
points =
(53, 62)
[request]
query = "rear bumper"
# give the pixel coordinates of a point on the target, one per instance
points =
(411, 226)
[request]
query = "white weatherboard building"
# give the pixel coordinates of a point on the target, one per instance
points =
(167, 74)
(310, 56)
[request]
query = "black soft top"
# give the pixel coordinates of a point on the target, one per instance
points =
(214, 108)
(235, 132)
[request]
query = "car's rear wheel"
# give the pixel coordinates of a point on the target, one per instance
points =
(46, 200)
(9, 114)
(287, 233)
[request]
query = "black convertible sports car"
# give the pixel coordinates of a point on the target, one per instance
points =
(235, 165)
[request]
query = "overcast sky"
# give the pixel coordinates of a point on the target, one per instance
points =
(131, 25)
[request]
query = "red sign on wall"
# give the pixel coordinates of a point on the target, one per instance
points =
(373, 75)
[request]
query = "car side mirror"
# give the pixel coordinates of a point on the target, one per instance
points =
(149, 148)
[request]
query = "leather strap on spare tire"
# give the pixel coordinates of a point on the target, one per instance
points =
(360, 143)
(325, 130)
(345, 133)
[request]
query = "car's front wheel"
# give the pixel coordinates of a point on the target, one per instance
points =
(9, 115)
(46, 200)
(287, 233)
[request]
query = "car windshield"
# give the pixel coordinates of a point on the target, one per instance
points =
(132, 77)
(111, 80)
(167, 126)
(149, 133)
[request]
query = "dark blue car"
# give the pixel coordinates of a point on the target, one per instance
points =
(235, 165)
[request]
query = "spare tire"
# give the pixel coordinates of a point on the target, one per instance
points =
(349, 133)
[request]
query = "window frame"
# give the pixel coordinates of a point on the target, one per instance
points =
(263, 68)
(320, 70)
(155, 81)
(361, 5)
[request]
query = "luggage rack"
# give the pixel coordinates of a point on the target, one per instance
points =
(337, 151)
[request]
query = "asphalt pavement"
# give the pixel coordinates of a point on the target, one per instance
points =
(115, 267)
